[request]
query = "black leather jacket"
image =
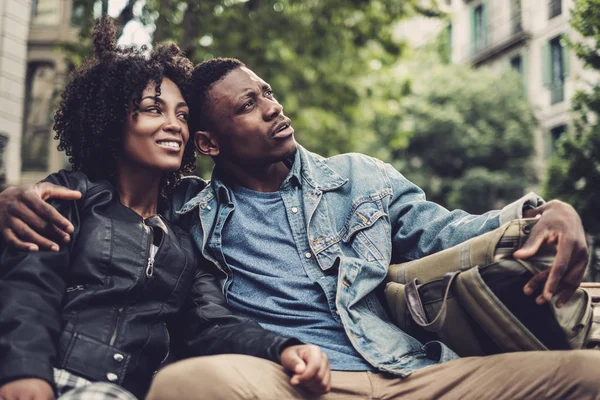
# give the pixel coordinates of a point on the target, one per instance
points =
(103, 309)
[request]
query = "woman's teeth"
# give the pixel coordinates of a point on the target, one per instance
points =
(174, 145)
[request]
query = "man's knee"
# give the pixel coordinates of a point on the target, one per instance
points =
(579, 372)
(181, 379)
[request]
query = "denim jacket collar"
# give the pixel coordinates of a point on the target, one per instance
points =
(316, 172)
(307, 167)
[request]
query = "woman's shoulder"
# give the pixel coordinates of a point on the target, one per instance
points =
(77, 180)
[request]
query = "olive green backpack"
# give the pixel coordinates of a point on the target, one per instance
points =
(471, 298)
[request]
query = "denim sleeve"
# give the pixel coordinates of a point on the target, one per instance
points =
(421, 227)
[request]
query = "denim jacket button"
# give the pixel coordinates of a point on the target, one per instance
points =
(294, 210)
(308, 255)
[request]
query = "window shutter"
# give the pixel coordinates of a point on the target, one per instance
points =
(564, 43)
(546, 65)
(486, 22)
(524, 75)
(473, 30)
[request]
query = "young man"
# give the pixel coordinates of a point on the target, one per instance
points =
(301, 243)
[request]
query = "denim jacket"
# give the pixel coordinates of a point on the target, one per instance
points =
(360, 215)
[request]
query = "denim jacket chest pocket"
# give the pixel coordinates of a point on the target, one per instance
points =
(366, 233)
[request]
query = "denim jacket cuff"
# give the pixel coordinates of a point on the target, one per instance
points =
(515, 209)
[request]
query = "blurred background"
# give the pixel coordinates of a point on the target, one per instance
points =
(476, 101)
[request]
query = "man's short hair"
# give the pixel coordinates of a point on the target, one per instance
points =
(204, 76)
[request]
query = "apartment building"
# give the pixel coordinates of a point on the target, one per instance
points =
(14, 27)
(528, 36)
(52, 22)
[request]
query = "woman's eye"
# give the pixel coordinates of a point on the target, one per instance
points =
(153, 110)
(184, 116)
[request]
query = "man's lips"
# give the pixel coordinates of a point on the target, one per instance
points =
(280, 127)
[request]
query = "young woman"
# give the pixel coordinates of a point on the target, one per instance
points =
(109, 306)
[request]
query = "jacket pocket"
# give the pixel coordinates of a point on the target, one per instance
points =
(92, 359)
(364, 227)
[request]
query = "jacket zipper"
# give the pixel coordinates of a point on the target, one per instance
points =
(150, 266)
(113, 338)
(149, 256)
(75, 288)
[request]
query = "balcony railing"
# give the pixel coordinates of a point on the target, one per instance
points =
(504, 31)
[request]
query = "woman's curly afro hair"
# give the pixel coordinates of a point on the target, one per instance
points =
(90, 119)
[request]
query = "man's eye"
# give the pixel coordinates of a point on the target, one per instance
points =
(247, 105)
(269, 93)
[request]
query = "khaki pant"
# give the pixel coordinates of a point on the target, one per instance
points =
(533, 375)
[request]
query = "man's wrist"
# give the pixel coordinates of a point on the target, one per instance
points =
(520, 208)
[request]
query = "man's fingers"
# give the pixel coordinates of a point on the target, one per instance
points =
(531, 245)
(48, 190)
(25, 233)
(536, 283)
(47, 212)
(13, 241)
(327, 379)
(564, 250)
(25, 214)
(323, 370)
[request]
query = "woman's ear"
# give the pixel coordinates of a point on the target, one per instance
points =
(205, 144)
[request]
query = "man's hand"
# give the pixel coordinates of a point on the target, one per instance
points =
(559, 225)
(310, 367)
(27, 389)
(27, 222)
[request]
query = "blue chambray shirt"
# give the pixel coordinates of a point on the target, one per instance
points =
(359, 216)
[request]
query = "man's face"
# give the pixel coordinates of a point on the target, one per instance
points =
(248, 124)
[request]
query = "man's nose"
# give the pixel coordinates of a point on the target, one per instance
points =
(273, 110)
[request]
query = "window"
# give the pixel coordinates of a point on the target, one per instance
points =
(516, 16)
(81, 9)
(3, 143)
(516, 63)
(45, 12)
(556, 133)
(478, 28)
(554, 8)
(39, 104)
(556, 68)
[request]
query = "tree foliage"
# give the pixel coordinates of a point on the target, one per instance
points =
(348, 85)
(312, 52)
(465, 136)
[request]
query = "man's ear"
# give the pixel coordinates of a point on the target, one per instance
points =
(206, 144)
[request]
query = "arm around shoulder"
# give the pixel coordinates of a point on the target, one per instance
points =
(28, 222)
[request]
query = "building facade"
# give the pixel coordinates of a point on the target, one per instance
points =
(14, 27)
(528, 36)
(47, 71)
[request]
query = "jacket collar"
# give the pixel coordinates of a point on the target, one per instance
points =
(316, 172)
(306, 167)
